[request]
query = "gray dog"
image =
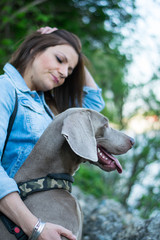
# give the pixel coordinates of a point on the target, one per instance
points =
(75, 136)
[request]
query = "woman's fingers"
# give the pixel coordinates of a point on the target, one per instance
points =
(66, 233)
(46, 30)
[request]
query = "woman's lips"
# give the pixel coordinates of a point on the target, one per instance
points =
(55, 79)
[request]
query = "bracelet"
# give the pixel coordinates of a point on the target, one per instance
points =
(38, 228)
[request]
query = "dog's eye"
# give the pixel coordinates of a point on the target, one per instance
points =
(100, 132)
(105, 125)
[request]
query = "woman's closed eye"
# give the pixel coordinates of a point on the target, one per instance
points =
(59, 59)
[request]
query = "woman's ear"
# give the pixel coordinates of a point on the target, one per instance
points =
(79, 133)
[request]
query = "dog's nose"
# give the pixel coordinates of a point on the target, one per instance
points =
(132, 141)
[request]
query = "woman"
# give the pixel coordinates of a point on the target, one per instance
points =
(47, 71)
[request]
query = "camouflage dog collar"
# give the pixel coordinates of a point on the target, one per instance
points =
(51, 181)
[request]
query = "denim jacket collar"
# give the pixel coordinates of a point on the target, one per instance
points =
(16, 77)
(20, 84)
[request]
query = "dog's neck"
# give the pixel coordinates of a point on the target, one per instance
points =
(55, 157)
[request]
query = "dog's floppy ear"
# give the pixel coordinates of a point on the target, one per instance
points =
(79, 133)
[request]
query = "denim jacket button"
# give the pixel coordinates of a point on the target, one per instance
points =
(33, 95)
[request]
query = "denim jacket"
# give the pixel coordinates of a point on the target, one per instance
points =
(32, 118)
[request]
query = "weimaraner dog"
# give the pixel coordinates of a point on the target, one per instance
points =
(75, 136)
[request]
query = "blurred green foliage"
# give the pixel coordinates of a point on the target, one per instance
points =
(93, 181)
(93, 185)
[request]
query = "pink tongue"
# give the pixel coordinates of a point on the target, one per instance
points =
(117, 163)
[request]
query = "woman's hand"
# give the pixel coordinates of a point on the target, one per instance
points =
(46, 30)
(54, 232)
(89, 79)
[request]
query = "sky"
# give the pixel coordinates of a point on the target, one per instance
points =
(144, 45)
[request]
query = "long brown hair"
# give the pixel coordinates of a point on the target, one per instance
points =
(70, 93)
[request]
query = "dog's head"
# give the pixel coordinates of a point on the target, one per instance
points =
(89, 135)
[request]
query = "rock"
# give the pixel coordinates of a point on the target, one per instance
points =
(147, 230)
(109, 220)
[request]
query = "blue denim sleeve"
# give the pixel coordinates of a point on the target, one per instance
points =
(93, 99)
(7, 184)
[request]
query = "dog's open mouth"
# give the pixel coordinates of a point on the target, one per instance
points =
(108, 162)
